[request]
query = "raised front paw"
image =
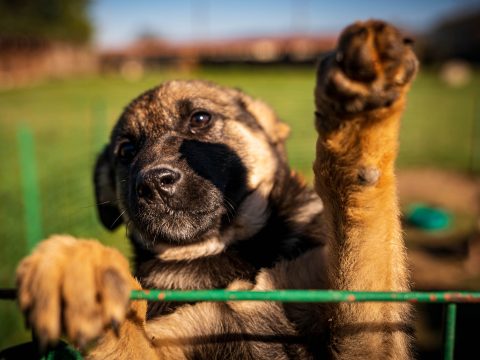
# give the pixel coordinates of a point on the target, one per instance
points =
(76, 287)
(371, 66)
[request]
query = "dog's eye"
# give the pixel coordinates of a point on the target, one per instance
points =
(200, 120)
(126, 152)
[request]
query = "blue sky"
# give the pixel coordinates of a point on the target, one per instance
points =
(120, 21)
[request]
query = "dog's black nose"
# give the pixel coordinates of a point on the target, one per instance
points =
(157, 182)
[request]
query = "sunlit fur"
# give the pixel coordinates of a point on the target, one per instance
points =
(241, 219)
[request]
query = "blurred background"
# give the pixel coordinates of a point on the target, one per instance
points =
(68, 67)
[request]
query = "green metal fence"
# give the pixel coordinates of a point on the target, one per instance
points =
(327, 296)
(316, 296)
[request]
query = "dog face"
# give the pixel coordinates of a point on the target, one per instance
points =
(188, 159)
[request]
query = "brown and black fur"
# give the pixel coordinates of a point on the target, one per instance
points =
(216, 206)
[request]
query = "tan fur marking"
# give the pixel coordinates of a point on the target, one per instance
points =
(261, 163)
(310, 209)
(276, 130)
(211, 246)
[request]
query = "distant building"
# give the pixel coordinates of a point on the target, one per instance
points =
(265, 50)
(24, 61)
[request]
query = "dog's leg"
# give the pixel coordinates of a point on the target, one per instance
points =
(360, 96)
(81, 288)
(233, 330)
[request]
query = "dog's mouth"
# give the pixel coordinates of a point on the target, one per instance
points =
(184, 226)
(164, 223)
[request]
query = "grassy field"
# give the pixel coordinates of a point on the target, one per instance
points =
(70, 120)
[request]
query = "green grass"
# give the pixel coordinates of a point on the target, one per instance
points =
(70, 120)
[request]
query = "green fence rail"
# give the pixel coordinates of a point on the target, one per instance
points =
(316, 296)
(326, 296)
(307, 296)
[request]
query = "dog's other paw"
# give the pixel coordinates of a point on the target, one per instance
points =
(76, 287)
(369, 70)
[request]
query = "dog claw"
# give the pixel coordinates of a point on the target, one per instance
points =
(115, 327)
(81, 342)
(42, 340)
(26, 320)
(339, 56)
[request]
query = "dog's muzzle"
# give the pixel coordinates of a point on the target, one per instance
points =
(156, 183)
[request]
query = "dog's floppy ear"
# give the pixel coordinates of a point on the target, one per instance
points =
(106, 198)
(276, 130)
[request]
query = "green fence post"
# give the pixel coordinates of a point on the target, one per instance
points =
(475, 147)
(99, 125)
(450, 322)
(98, 134)
(30, 193)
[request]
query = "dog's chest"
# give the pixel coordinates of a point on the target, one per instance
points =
(214, 272)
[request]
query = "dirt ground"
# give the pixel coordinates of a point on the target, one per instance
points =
(450, 258)
(456, 191)
(444, 260)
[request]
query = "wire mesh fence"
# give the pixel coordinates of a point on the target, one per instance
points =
(64, 180)
(47, 187)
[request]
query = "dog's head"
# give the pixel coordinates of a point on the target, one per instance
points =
(188, 158)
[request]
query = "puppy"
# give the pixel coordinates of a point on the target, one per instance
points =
(199, 175)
